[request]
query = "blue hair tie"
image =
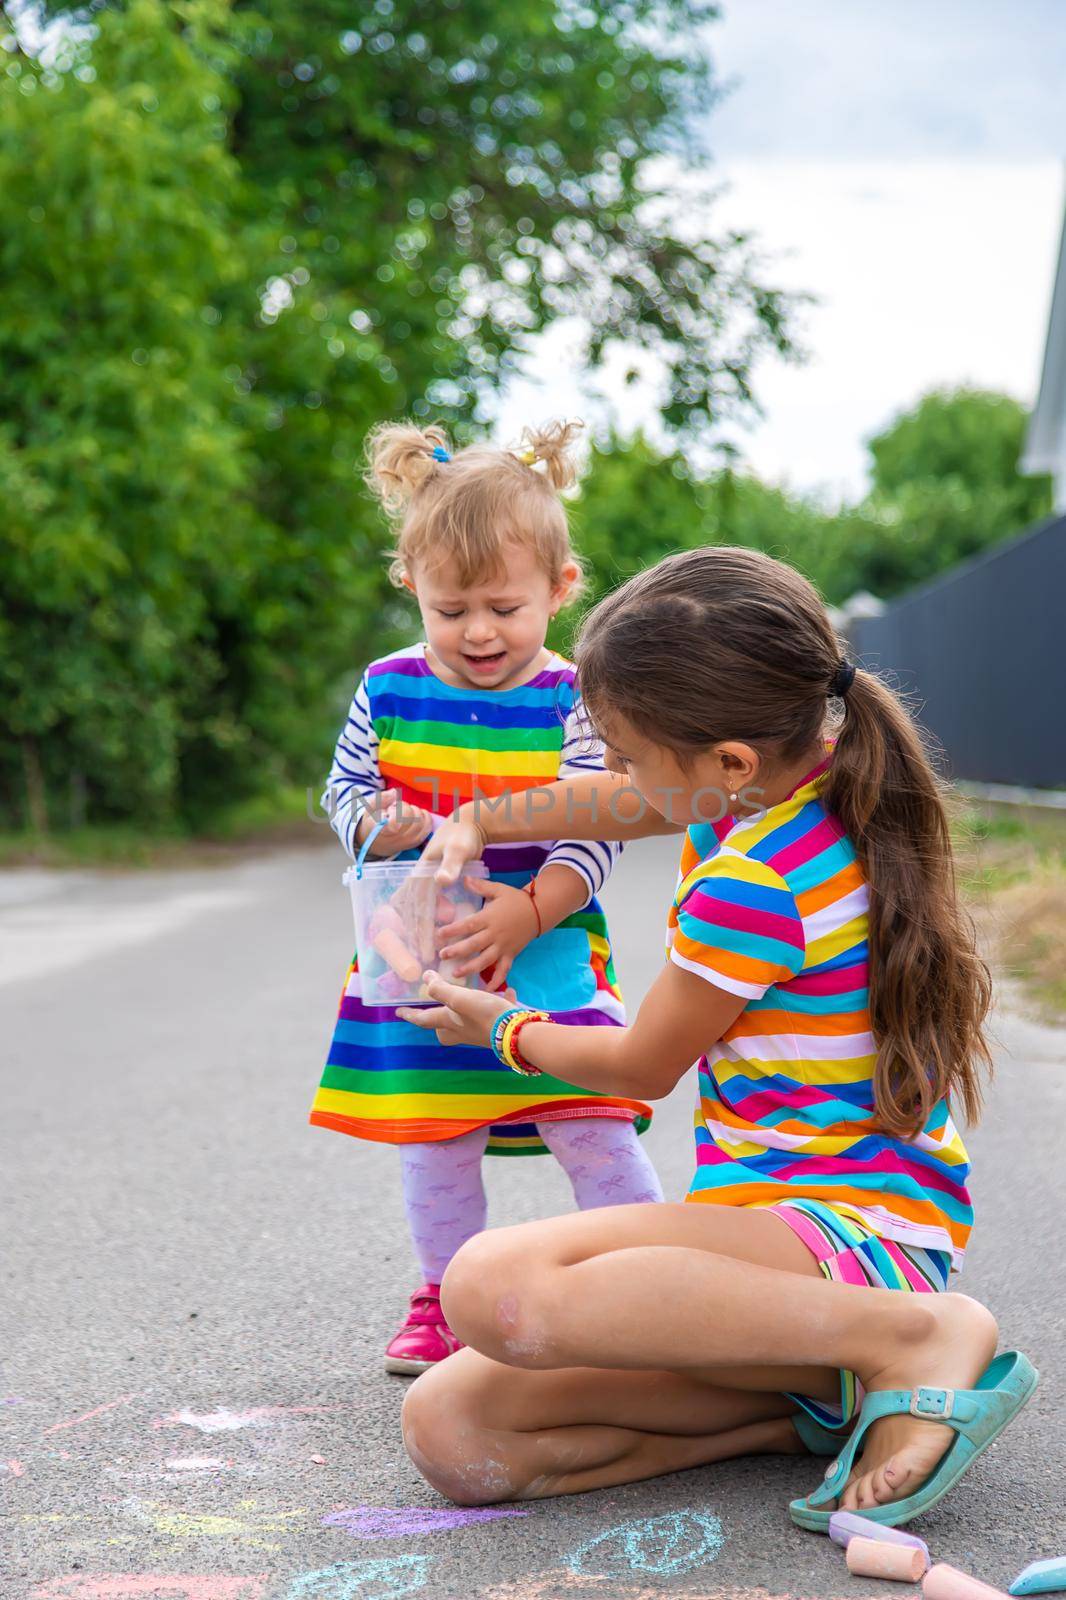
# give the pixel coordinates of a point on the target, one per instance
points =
(440, 454)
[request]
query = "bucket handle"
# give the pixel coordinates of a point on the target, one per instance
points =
(365, 846)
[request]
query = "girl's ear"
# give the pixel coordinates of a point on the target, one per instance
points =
(568, 576)
(406, 581)
(740, 763)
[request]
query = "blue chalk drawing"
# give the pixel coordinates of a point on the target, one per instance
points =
(362, 1580)
(679, 1542)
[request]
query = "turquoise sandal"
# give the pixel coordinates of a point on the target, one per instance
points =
(819, 1441)
(977, 1415)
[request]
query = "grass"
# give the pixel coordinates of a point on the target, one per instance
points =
(246, 827)
(1013, 872)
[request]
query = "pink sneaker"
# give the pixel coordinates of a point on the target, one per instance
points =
(425, 1338)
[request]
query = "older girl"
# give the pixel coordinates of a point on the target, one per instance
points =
(821, 971)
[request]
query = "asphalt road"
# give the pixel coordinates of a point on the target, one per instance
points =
(198, 1286)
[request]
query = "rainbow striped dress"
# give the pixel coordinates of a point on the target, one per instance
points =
(775, 909)
(385, 1079)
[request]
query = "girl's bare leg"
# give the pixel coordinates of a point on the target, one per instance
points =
(480, 1431)
(729, 1297)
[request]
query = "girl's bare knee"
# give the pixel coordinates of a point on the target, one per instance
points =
(496, 1300)
(445, 1443)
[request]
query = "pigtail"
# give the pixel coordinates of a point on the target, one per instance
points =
(930, 992)
(552, 445)
(401, 457)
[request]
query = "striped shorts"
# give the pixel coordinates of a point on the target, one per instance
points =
(849, 1252)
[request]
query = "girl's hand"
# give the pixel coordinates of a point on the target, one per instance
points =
(494, 935)
(405, 827)
(464, 1016)
(455, 843)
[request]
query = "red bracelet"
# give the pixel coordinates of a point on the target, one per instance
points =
(531, 890)
(518, 1061)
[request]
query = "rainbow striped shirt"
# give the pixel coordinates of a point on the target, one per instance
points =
(774, 908)
(438, 744)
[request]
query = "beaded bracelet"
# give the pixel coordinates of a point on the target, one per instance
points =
(497, 1030)
(512, 1054)
(504, 1038)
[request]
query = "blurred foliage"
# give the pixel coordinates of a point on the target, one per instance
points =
(232, 237)
(944, 485)
(125, 475)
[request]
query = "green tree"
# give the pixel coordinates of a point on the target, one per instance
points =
(267, 227)
(945, 485)
(638, 504)
(123, 474)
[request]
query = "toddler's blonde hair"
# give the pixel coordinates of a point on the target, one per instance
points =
(470, 507)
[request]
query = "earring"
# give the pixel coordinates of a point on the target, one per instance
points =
(734, 797)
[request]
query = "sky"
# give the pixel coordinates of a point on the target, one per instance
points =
(903, 162)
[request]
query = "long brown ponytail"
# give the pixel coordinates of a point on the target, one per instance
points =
(929, 989)
(726, 643)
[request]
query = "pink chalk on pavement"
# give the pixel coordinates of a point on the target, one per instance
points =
(847, 1525)
(948, 1583)
(872, 1558)
(86, 1416)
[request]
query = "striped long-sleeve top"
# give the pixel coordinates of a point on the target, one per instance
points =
(361, 769)
(438, 745)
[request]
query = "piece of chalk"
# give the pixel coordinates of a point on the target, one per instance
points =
(847, 1525)
(395, 954)
(1041, 1577)
(872, 1558)
(948, 1583)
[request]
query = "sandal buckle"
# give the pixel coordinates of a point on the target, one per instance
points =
(831, 1470)
(935, 1405)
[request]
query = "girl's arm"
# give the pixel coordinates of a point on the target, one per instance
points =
(354, 780)
(591, 859)
(356, 798)
(681, 1017)
(560, 890)
(599, 807)
(573, 873)
(507, 921)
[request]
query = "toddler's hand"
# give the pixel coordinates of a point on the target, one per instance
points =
(493, 936)
(406, 826)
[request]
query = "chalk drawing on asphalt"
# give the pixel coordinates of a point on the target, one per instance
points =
(362, 1580)
(678, 1542)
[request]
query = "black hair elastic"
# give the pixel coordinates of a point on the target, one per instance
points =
(842, 680)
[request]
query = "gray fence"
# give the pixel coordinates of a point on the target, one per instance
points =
(983, 652)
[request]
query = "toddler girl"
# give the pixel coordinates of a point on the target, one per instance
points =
(483, 708)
